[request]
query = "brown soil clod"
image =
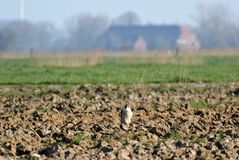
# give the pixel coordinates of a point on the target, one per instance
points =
(171, 121)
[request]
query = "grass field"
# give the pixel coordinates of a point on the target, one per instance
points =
(171, 120)
(119, 68)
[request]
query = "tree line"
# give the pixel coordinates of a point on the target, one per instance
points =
(216, 27)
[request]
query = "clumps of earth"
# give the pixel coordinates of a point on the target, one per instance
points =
(170, 121)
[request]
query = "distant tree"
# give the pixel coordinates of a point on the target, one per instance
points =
(26, 36)
(216, 27)
(127, 19)
(44, 36)
(7, 38)
(84, 30)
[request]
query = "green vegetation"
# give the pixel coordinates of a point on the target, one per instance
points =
(221, 134)
(200, 105)
(43, 109)
(195, 139)
(118, 70)
(154, 105)
(137, 135)
(79, 138)
(174, 134)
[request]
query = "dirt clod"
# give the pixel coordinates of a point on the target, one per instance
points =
(170, 121)
(49, 150)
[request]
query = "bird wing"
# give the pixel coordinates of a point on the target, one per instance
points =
(121, 115)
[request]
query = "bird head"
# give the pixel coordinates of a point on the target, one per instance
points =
(126, 107)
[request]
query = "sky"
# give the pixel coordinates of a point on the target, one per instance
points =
(149, 11)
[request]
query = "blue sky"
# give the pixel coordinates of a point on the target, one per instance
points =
(150, 11)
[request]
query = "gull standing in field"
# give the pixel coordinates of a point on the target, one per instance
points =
(125, 115)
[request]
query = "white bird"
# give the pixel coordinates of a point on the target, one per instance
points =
(126, 115)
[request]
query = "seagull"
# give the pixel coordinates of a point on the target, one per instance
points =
(125, 115)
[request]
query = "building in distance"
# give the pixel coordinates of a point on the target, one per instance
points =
(149, 37)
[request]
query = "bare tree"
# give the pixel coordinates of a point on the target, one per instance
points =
(216, 27)
(25, 36)
(84, 30)
(7, 38)
(127, 19)
(44, 35)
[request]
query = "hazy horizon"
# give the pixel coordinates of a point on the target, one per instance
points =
(155, 11)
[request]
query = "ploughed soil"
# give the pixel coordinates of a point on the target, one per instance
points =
(170, 121)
